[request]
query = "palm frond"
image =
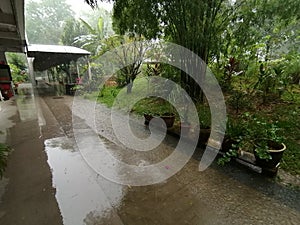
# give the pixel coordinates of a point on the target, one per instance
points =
(88, 26)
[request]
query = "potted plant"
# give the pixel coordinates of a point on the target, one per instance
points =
(162, 109)
(204, 126)
(256, 135)
(232, 141)
(148, 117)
(168, 117)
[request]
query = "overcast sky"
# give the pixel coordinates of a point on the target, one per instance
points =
(80, 5)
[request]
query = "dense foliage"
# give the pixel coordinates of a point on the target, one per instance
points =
(45, 20)
(247, 30)
(18, 67)
(252, 46)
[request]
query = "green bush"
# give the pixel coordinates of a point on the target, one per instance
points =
(253, 133)
(291, 69)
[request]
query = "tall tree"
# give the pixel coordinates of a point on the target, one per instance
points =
(123, 49)
(259, 27)
(72, 30)
(45, 20)
(194, 24)
(213, 29)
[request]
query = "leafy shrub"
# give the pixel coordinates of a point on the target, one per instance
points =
(292, 69)
(252, 133)
(239, 100)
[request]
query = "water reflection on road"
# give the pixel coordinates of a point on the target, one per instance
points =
(26, 102)
(79, 191)
(213, 197)
(219, 195)
(82, 195)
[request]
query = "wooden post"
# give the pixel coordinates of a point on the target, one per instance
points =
(89, 69)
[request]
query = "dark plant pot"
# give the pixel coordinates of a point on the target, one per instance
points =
(204, 134)
(227, 144)
(70, 89)
(168, 118)
(276, 153)
(148, 117)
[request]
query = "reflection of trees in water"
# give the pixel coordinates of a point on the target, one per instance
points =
(25, 92)
(107, 217)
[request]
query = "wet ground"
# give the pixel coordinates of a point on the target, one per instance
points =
(220, 195)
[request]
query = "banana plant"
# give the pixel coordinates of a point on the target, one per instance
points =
(93, 41)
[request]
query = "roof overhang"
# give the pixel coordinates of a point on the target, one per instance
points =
(47, 56)
(12, 27)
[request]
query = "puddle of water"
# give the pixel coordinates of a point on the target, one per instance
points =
(103, 218)
(83, 197)
(7, 110)
(26, 107)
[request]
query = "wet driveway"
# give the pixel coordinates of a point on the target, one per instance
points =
(227, 196)
(220, 195)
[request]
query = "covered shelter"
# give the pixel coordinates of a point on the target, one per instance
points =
(47, 56)
(13, 39)
(43, 57)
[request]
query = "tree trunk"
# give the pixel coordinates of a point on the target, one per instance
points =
(129, 87)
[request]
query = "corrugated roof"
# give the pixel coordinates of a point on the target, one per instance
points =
(35, 48)
(47, 56)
